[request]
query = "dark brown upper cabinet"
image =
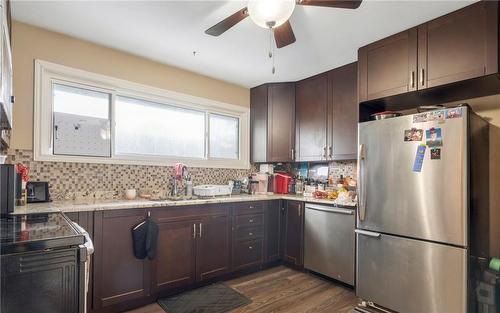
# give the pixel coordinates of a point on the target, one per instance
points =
(272, 123)
(388, 67)
(327, 115)
(453, 48)
(311, 118)
(459, 46)
(343, 113)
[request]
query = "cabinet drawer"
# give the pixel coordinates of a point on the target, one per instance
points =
(249, 207)
(253, 232)
(247, 253)
(249, 220)
(161, 215)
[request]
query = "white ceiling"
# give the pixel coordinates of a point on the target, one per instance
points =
(169, 31)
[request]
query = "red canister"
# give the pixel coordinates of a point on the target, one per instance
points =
(282, 181)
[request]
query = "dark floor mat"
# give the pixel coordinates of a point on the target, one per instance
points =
(216, 298)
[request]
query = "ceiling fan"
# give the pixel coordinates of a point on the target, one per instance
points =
(274, 15)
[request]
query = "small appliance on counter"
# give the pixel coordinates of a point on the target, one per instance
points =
(7, 188)
(38, 191)
(262, 185)
(282, 181)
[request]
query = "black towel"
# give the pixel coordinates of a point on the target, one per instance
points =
(145, 238)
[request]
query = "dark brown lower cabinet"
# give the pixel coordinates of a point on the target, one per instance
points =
(293, 235)
(273, 230)
(118, 276)
(174, 265)
(212, 247)
(195, 244)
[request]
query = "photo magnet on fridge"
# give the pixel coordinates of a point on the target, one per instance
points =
(414, 134)
(435, 153)
(419, 158)
(433, 137)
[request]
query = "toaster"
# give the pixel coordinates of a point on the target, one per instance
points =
(37, 191)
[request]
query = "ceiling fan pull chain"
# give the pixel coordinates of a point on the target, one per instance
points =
(271, 47)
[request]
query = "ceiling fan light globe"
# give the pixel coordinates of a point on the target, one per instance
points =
(265, 12)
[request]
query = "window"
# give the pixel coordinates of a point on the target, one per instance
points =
(81, 121)
(144, 127)
(85, 117)
(224, 134)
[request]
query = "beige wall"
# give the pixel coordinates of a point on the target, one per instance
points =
(30, 43)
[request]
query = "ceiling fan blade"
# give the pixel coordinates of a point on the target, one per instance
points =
(227, 23)
(344, 4)
(283, 35)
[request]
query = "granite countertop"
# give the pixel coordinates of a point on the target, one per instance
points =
(117, 204)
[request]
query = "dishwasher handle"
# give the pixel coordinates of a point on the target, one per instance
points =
(329, 209)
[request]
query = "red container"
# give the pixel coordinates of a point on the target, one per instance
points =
(282, 181)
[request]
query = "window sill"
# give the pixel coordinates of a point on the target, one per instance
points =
(143, 160)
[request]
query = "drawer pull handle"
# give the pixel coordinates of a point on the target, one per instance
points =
(251, 221)
(250, 247)
(250, 234)
(251, 207)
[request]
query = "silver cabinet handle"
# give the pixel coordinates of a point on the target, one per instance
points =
(194, 230)
(250, 234)
(250, 247)
(412, 79)
(250, 220)
(292, 154)
(367, 233)
(361, 180)
(324, 152)
(300, 210)
(422, 76)
(251, 207)
(200, 229)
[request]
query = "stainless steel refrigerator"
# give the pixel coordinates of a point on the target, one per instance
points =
(422, 219)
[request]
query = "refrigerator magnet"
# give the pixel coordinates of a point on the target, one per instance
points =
(437, 116)
(413, 134)
(434, 137)
(419, 158)
(420, 118)
(454, 113)
(435, 153)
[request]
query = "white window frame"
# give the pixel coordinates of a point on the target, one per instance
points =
(46, 73)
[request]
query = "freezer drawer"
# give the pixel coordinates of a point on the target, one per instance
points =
(411, 276)
(329, 241)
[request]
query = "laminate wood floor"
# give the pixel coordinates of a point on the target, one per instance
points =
(282, 289)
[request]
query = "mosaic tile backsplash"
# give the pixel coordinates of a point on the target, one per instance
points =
(73, 181)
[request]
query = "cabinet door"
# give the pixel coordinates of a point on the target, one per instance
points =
(272, 231)
(118, 275)
(388, 67)
(343, 113)
(281, 122)
(174, 265)
(459, 46)
(294, 233)
(311, 109)
(258, 123)
(212, 257)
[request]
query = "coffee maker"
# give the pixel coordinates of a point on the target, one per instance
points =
(7, 188)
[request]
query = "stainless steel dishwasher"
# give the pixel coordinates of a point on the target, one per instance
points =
(329, 241)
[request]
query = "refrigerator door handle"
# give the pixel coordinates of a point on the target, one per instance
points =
(367, 233)
(361, 178)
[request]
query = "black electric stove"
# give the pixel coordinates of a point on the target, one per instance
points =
(31, 232)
